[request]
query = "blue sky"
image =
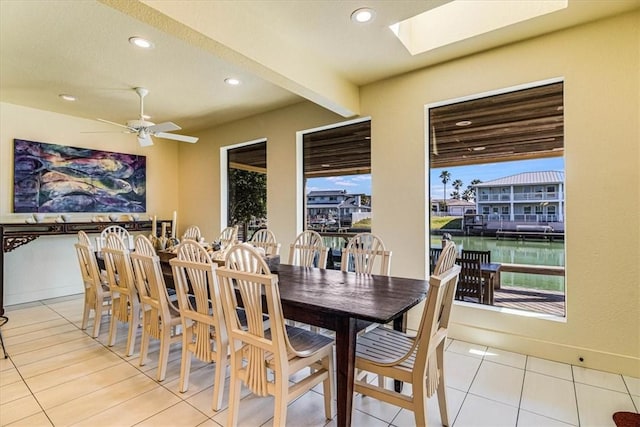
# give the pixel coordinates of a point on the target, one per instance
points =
(484, 172)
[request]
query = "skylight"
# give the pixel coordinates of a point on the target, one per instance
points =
(460, 20)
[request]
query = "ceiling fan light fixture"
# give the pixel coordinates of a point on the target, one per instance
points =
(67, 97)
(232, 81)
(363, 15)
(141, 42)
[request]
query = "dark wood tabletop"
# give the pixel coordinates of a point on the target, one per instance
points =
(346, 303)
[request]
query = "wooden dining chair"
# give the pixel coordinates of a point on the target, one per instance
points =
(97, 297)
(265, 239)
(471, 283)
(84, 239)
(446, 258)
(263, 359)
(228, 236)
(366, 254)
(483, 256)
(434, 255)
(122, 232)
(193, 233)
(308, 250)
(124, 295)
(204, 333)
(160, 316)
(416, 360)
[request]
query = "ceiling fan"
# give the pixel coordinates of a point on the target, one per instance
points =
(145, 129)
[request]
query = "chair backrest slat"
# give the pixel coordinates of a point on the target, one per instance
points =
(308, 250)
(366, 254)
(265, 239)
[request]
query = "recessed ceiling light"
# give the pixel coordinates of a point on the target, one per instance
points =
(140, 42)
(479, 148)
(363, 15)
(464, 123)
(67, 97)
(232, 81)
(325, 165)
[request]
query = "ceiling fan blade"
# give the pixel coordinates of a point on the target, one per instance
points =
(145, 140)
(183, 138)
(163, 127)
(117, 124)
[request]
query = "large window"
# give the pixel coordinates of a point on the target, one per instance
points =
(500, 157)
(337, 183)
(247, 188)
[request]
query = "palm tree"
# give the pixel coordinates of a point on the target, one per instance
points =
(445, 176)
(456, 184)
(470, 193)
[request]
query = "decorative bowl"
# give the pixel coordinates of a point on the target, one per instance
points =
(39, 217)
(113, 217)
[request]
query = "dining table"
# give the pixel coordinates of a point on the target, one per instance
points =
(345, 303)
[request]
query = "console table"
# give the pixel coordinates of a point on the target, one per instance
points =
(15, 235)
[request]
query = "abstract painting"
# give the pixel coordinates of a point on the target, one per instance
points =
(57, 178)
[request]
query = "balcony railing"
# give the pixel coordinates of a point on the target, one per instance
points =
(539, 196)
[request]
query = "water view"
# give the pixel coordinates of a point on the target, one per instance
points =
(518, 252)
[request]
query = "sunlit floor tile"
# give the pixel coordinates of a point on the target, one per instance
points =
(254, 411)
(379, 409)
(529, 419)
(460, 370)
(84, 385)
(454, 402)
(548, 367)
(597, 405)
(359, 418)
(79, 342)
(498, 382)
(599, 378)
(633, 385)
(477, 411)
(550, 397)
(18, 409)
(308, 410)
(88, 405)
(178, 415)
(132, 411)
(508, 358)
(467, 349)
(9, 376)
(13, 391)
(36, 420)
(44, 342)
(67, 373)
(48, 364)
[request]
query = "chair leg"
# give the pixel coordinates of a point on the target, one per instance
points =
(442, 393)
(280, 403)
(165, 343)
(218, 381)
(185, 364)
(234, 397)
(327, 386)
(85, 314)
(144, 340)
(113, 326)
(134, 321)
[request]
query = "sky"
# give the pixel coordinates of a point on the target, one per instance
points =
(485, 172)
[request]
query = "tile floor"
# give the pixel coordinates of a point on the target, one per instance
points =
(57, 375)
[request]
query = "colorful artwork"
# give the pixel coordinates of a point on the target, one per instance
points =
(57, 178)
